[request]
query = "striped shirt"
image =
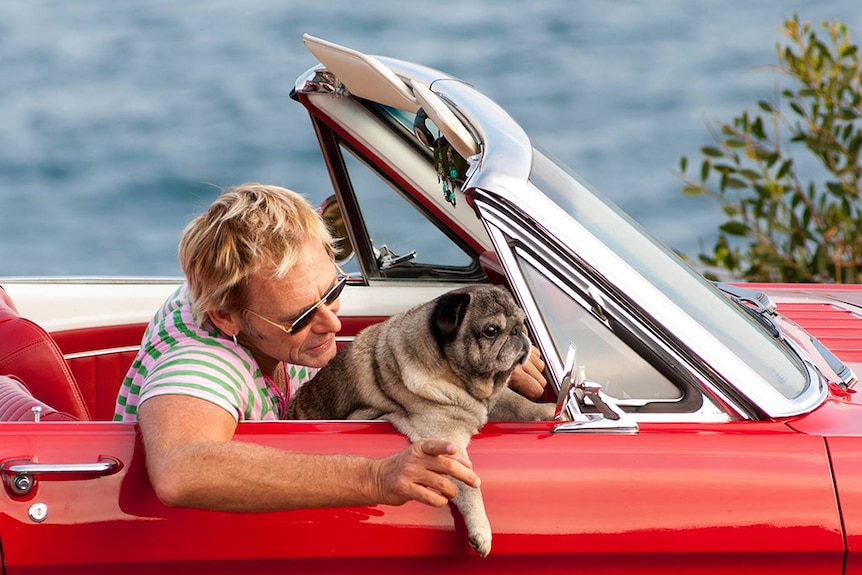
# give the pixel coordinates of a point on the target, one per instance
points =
(178, 357)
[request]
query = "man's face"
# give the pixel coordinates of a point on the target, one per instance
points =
(282, 301)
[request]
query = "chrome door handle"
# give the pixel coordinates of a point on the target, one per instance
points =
(19, 475)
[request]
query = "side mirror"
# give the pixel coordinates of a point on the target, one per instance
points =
(574, 391)
(568, 404)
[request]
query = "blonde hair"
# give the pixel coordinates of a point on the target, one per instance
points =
(245, 229)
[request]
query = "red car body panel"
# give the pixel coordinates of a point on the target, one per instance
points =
(846, 456)
(673, 498)
(838, 420)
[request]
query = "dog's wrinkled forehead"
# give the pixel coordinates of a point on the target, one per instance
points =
(496, 303)
(470, 306)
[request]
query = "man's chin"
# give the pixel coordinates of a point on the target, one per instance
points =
(320, 355)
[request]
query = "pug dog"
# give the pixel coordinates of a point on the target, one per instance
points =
(438, 370)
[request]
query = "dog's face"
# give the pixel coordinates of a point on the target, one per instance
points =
(480, 332)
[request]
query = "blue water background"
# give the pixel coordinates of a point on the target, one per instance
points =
(119, 120)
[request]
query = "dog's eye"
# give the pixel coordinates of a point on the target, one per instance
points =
(491, 331)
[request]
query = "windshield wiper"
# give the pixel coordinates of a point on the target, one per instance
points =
(762, 302)
(760, 306)
(757, 304)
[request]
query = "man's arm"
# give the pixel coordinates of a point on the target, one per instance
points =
(193, 462)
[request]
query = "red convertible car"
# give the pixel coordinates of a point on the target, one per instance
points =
(705, 427)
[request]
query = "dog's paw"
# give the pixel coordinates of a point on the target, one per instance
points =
(469, 503)
(481, 543)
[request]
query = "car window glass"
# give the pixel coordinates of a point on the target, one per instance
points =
(396, 226)
(622, 373)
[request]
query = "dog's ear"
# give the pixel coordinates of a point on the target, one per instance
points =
(449, 313)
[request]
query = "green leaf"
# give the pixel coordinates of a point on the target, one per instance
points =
(848, 114)
(766, 155)
(784, 169)
(735, 228)
(711, 151)
(730, 209)
(728, 130)
(750, 174)
(692, 190)
(765, 106)
(836, 188)
(704, 170)
(735, 183)
(757, 129)
(683, 164)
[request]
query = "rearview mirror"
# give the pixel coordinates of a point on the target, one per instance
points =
(330, 211)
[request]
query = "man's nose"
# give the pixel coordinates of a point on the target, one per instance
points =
(326, 318)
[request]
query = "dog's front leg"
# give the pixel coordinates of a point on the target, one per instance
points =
(469, 499)
(472, 507)
(512, 406)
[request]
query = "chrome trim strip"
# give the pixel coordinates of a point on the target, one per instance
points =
(135, 348)
(91, 280)
(97, 352)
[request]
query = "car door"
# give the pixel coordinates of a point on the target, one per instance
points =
(677, 498)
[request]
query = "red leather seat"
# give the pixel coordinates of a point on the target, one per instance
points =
(17, 403)
(28, 352)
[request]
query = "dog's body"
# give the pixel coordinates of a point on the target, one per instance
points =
(439, 370)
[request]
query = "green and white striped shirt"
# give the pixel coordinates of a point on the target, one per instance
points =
(178, 357)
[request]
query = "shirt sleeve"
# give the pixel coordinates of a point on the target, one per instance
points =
(202, 373)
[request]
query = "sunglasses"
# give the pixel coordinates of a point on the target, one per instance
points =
(306, 316)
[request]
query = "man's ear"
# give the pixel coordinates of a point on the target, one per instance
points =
(227, 321)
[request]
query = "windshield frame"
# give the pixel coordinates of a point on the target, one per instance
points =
(637, 271)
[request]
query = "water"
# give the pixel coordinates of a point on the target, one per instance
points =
(119, 120)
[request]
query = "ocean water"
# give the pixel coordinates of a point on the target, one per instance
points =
(119, 121)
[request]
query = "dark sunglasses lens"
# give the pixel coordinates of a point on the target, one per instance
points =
(336, 291)
(303, 320)
(328, 299)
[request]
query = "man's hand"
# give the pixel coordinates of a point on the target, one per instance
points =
(527, 379)
(423, 472)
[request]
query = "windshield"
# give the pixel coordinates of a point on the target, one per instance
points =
(663, 269)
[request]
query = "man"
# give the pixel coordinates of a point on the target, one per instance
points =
(256, 318)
